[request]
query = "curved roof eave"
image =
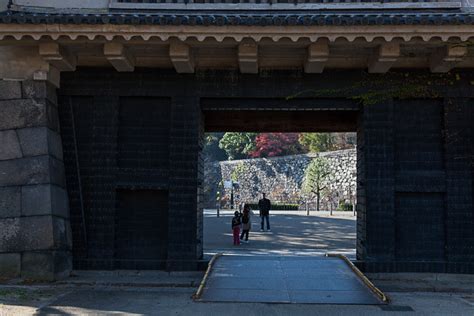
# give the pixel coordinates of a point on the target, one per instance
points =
(250, 18)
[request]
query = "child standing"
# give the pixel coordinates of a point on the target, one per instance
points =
(246, 223)
(236, 227)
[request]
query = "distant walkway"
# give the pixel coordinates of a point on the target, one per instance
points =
(293, 233)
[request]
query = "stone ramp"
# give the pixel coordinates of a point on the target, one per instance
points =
(285, 279)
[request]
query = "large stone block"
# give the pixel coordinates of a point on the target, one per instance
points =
(47, 266)
(57, 173)
(32, 170)
(10, 202)
(62, 234)
(52, 116)
(10, 90)
(10, 233)
(23, 113)
(59, 201)
(39, 90)
(55, 145)
(44, 199)
(10, 145)
(10, 264)
(25, 171)
(34, 233)
(34, 141)
(40, 141)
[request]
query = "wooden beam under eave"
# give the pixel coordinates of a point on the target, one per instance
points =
(317, 56)
(57, 56)
(181, 56)
(248, 57)
(445, 58)
(384, 58)
(119, 57)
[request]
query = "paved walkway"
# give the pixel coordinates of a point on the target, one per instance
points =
(151, 293)
(288, 279)
(293, 233)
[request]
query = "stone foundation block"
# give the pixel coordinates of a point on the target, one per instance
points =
(22, 113)
(10, 90)
(10, 264)
(33, 89)
(10, 202)
(37, 141)
(44, 199)
(47, 266)
(34, 234)
(9, 145)
(44, 233)
(32, 170)
(62, 234)
(10, 234)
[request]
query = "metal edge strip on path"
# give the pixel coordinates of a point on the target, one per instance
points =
(381, 295)
(198, 293)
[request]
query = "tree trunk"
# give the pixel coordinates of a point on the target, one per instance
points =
(318, 196)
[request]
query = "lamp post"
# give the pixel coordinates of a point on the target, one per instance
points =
(230, 185)
(231, 194)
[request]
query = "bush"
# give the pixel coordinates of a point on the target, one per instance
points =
(344, 206)
(277, 206)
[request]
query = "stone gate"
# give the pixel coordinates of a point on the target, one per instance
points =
(103, 115)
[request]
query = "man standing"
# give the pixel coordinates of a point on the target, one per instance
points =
(264, 207)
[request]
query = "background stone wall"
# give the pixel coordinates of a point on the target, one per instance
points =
(281, 178)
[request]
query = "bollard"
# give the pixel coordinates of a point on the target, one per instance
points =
(218, 211)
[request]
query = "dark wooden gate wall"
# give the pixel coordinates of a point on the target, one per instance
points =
(132, 153)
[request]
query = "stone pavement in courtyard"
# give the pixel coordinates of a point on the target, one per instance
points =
(292, 233)
(161, 293)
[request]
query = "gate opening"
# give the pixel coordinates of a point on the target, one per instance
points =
(296, 227)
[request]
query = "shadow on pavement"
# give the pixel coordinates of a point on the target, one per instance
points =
(292, 233)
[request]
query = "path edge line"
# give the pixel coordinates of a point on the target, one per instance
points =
(197, 295)
(361, 276)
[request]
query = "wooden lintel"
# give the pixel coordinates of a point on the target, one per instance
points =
(57, 56)
(119, 57)
(317, 56)
(445, 58)
(248, 57)
(181, 56)
(384, 58)
(280, 121)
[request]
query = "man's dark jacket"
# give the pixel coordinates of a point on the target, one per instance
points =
(264, 206)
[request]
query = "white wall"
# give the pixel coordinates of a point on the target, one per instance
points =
(3, 5)
(104, 4)
(468, 4)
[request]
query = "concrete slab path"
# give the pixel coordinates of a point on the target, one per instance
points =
(285, 279)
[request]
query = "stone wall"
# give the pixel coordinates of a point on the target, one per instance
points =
(35, 232)
(282, 177)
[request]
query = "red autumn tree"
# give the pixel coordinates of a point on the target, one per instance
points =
(276, 144)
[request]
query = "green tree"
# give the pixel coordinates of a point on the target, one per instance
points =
(316, 177)
(237, 145)
(211, 148)
(317, 142)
